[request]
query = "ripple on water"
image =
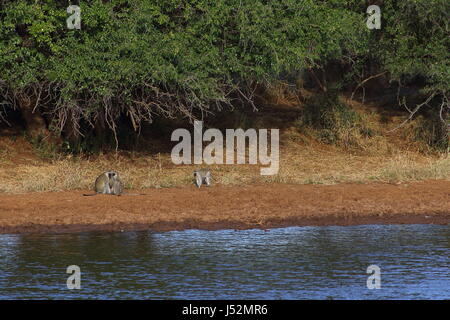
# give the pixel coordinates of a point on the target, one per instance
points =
(286, 263)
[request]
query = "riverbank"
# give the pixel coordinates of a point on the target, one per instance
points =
(222, 207)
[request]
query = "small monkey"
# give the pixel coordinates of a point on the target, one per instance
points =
(102, 184)
(202, 176)
(116, 184)
(107, 183)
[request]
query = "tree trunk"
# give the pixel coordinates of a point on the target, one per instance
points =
(34, 122)
(70, 131)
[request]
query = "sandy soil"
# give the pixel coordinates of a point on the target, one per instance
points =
(219, 207)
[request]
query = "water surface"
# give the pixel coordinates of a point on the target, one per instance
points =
(286, 263)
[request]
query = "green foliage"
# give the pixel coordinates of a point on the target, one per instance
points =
(194, 52)
(416, 41)
(334, 122)
(145, 58)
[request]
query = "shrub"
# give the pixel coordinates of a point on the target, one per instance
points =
(334, 122)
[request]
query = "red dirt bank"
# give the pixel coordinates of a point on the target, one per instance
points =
(220, 207)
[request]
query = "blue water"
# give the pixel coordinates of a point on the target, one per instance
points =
(286, 263)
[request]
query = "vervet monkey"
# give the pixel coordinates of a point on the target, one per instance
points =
(116, 187)
(202, 176)
(115, 184)
(109, 182)
(102, 184)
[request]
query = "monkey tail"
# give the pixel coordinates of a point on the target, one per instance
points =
(89, 194)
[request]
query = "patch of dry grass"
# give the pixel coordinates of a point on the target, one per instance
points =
(300, 165)
(303, 160)
(402, 168)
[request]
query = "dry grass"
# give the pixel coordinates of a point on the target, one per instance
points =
(300, 165)
(303, 160)
(406, 169)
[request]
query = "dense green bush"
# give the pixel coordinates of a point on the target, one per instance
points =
(333, 121)
(137, 59)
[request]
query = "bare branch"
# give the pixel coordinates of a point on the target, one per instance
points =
(411, 114)
(364, 81)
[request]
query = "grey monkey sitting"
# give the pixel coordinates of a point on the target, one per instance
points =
(202, 176)
(117, 186)
(107, 183)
